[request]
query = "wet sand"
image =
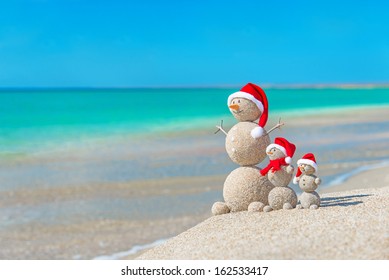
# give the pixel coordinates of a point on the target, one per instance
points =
(87, 237)
(174, 181)
(86, 240)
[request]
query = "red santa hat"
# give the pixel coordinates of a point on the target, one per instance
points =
(306, 159)
(285, 146)
(257, 95)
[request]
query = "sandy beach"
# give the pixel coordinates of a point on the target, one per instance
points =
(348, 225)
(185, 174)
(361, 199)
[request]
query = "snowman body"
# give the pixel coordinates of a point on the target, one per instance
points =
(242, 148)
(307, 182)
(244, 188)
(280, 178)
(309, 199)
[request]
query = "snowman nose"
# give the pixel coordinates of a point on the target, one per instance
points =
(234, 107)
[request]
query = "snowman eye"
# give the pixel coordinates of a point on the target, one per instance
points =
(238, 101)
(233, 102)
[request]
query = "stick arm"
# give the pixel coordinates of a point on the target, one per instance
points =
(220, 128)
(278, 125)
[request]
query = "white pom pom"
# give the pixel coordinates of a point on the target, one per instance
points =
(257, 132)
(288, 160)
(295, 180)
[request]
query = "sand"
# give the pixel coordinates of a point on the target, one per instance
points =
(349, 225)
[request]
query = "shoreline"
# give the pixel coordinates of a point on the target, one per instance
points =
(135, 251)
(356, 172)
(366, 178)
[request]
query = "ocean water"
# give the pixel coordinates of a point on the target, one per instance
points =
(41, 119)
(75, 137)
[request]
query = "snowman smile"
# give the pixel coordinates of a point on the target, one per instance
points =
(238, 111)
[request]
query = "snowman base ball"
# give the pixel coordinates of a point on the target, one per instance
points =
(282, 198)
(242, 148)
(242, 188)
(310, 200)
(245, 185)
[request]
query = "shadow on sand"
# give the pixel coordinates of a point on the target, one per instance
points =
(344, 201)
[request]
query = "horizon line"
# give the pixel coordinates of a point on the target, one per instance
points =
(227, 86)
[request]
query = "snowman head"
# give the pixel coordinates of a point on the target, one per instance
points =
(281, 148)
(250, 104)
(306, 169)
(307, 165)
(275, 153)
(244, 110)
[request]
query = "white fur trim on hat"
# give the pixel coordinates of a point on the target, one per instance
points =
(256, 132)
(288, 160)
(309, 162)
(246, 95)
(279, 147)
(295, 180)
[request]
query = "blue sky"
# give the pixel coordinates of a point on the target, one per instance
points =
(79, 43)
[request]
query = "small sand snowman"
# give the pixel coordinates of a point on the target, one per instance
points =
(244, 188)
(308, 182)
(280, 173)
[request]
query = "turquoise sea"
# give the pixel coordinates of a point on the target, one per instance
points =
(37, 119)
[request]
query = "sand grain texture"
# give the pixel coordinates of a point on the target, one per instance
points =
(348, 225)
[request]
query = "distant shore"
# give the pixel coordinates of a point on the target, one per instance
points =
(264, 85)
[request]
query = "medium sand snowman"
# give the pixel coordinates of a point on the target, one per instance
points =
(308, 182)
(280, 173)
(244, 188)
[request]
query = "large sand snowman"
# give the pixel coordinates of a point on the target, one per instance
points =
(245, 188)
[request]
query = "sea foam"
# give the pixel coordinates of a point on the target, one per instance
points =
(344, 177)
(132, 251)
